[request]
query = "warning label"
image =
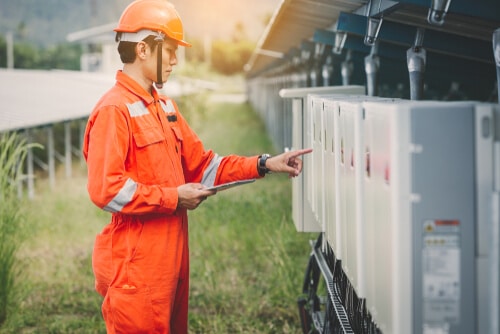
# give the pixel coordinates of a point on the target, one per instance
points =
(441, 271)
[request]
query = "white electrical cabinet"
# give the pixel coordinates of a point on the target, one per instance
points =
(304, 195)
(407, 197)
(317, 134)
(344, 173)
(424, 241)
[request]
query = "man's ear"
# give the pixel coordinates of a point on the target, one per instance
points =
(141, 49)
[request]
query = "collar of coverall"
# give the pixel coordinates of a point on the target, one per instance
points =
(140, 35)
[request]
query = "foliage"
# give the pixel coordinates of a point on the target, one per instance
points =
(192, 106)
(3, 52)
(196, 53)
(247, 260)
(27, 56)
(61, 56)
(45, 23)
(227, 57)
(230, 57)
(13, 151)
(57, 259)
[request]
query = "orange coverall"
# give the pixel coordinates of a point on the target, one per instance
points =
(138, 149)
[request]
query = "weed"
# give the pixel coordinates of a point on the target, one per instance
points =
(13, 150)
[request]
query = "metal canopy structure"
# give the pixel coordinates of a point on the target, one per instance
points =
(474, 19)
(292, 22)
(456, 34)
(412, 49)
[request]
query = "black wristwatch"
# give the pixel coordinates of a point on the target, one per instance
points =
(261, 164)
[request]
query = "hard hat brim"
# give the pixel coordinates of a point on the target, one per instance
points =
(140, 35)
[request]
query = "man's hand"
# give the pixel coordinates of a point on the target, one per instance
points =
(192, 194)
(287, 162)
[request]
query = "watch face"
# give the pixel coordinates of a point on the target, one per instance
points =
(262, 164)
(263, 160)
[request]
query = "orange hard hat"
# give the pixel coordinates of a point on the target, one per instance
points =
(158, 16)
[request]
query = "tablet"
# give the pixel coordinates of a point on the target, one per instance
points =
(228, 185)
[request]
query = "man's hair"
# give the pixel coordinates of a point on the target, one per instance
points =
(127, 49)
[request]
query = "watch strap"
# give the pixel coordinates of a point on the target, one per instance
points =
(261, 164)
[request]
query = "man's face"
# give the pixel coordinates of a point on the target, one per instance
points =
(169, 60)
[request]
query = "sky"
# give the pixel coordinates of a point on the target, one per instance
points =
(219, 17)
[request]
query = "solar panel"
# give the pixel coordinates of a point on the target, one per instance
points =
(32, 98)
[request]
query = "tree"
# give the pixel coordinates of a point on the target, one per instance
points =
(3, 52)
(230, 57)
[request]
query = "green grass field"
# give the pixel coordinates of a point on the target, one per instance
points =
(247, 260)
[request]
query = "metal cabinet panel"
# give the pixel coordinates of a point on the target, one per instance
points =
(418, 199)
(351, 195)
(304, 216)
(330, 114)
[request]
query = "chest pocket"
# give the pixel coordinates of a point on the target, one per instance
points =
(152, 160)
(178, 139)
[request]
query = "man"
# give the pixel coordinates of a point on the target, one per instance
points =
(147, 167)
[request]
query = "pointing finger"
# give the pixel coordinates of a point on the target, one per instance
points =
(297, 153)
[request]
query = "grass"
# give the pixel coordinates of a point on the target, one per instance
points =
(247, 260)
(13, 150)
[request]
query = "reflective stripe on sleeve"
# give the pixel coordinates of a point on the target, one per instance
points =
(123, 197)
(210, 173)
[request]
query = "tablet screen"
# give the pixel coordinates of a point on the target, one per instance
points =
(228, 185)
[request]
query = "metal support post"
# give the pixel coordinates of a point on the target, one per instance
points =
(495, 247)
(347, 69)
(372, 66)
(306, 60)
(338, 44)
(317, 65)
(30, 177)
(81, 133)
(9, 38)
(372, 30)
(372, 61)
(67, 148)
(51, 152)
(496, 53)
(327, 71)
(372, 27)
(416, 58)
(438, 11)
